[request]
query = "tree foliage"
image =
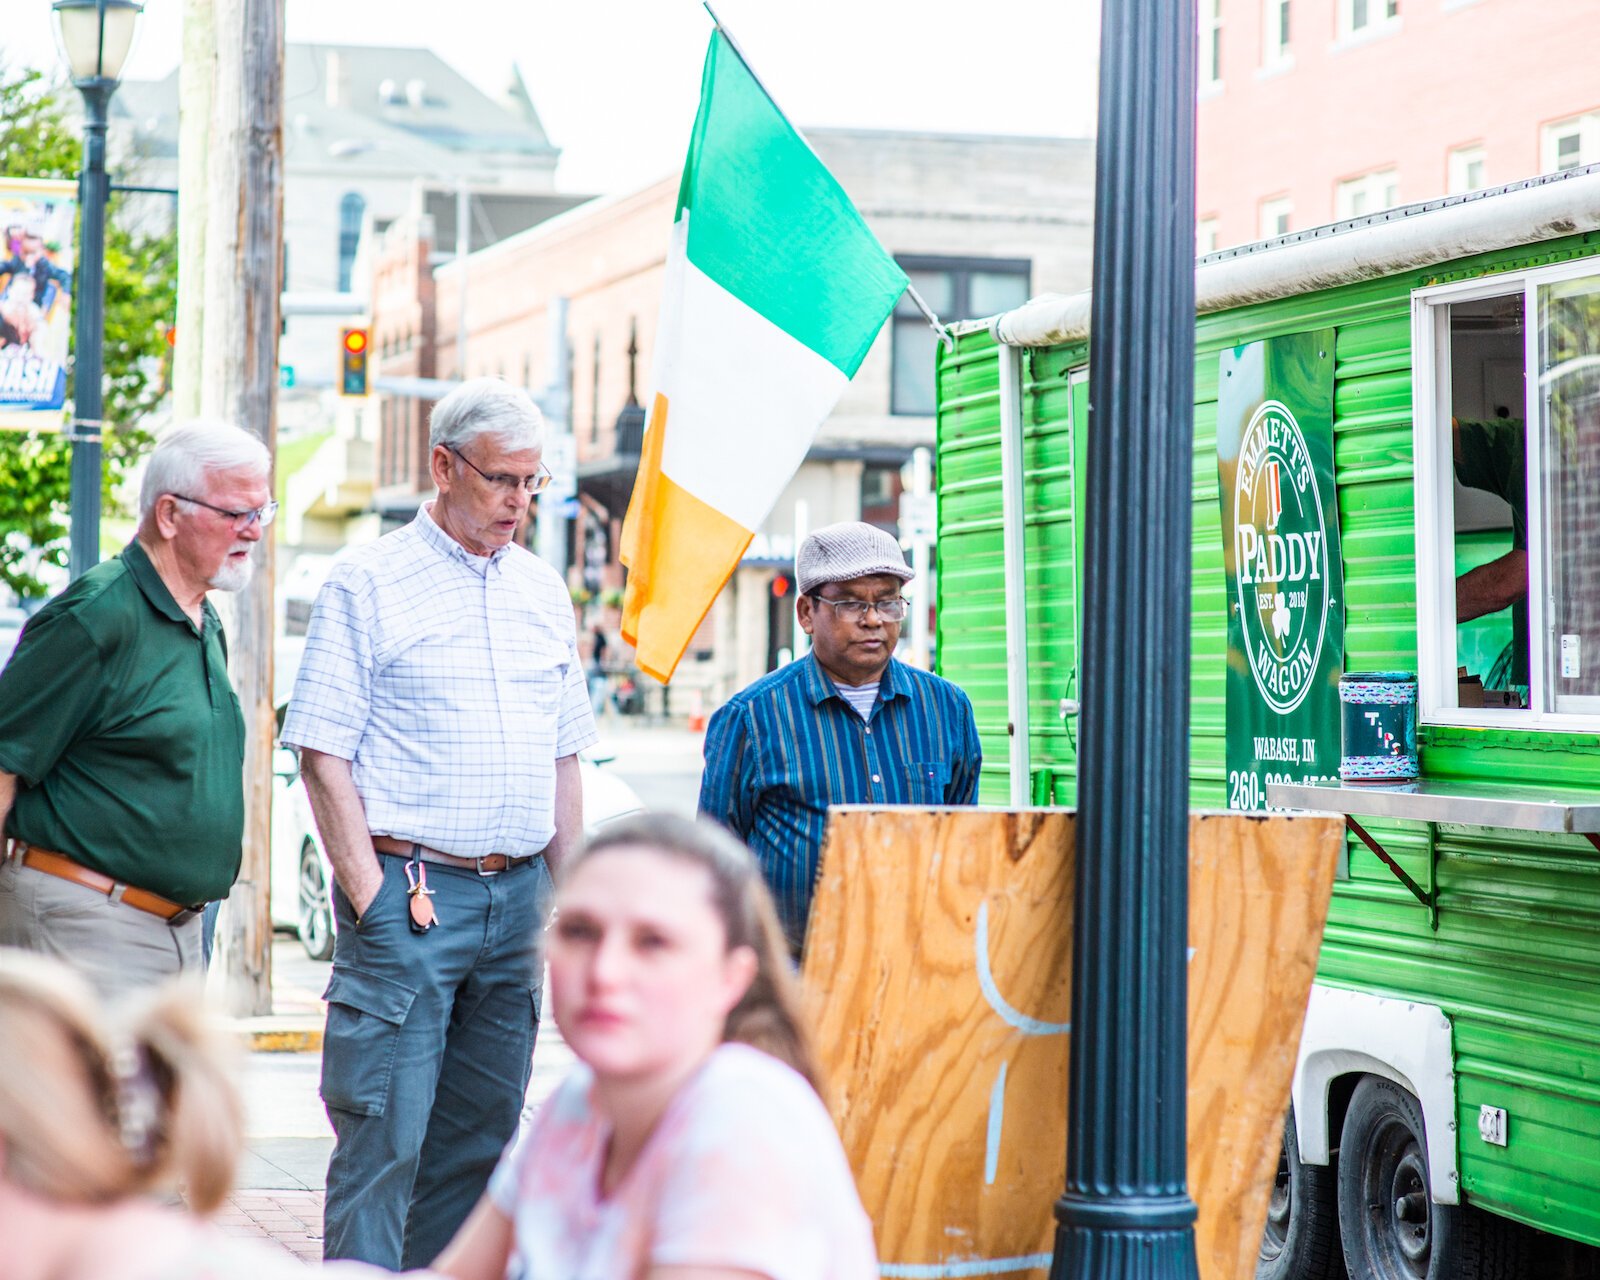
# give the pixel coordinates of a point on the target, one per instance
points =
(38, 141)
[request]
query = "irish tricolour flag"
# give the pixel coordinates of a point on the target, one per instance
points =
(774, 291)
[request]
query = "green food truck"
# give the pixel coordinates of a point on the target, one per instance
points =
(1396, 462)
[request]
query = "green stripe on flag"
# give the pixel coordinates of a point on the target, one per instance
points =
(773, 227)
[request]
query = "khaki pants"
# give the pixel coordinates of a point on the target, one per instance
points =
(118, 948)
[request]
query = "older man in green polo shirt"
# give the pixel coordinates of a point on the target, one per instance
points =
(121, 740)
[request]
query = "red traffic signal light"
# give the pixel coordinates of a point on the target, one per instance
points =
(354, 377)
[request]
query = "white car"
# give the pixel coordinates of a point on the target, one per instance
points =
(300, 871)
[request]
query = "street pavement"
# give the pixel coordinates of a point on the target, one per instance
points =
(662, 764)
(289, 1139)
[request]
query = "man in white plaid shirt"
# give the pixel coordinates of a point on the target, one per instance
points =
(439, 710)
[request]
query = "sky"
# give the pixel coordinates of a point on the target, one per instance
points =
(616, 81)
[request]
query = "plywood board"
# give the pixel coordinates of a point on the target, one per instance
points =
(938, 966)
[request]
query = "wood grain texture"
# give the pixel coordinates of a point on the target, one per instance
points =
(948, 1059)
(1258, 899)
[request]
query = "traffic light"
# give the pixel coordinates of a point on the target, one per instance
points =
(353, 376)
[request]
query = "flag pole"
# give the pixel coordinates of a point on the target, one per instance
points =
(934, 323)
(933, 320)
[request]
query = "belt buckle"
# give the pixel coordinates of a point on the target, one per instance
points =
(477, 865)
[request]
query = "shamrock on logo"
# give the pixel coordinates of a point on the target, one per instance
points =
(1280, 616)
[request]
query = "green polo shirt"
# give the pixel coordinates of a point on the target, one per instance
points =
(118, 718)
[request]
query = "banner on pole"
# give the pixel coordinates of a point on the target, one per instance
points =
(1280, 533)
(36, 265)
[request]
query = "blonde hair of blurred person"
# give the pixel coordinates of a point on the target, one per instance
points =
(667, 966)
(96, 1124)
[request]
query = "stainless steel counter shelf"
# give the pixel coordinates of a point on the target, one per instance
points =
(1430, 801)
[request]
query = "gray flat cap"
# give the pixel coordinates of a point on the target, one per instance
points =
(840, 552)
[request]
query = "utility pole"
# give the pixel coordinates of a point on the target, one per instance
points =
(195, 75)
(463, 248)
(1126, 1213)
(238, 383)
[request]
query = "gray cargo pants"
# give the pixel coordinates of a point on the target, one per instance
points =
(427, 1054)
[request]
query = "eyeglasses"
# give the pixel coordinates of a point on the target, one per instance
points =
(536, 483)
(856, 610)
(242, 520)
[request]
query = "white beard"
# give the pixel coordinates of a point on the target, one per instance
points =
(234, 576)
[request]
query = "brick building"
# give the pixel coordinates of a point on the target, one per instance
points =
(1312, 111)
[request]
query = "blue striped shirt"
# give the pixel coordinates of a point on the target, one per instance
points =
(783, 750)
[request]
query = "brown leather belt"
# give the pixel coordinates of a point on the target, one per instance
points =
(487, 865)
(64, 868)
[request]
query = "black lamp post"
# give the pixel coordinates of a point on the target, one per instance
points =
(1126, 1213)
(95, 38)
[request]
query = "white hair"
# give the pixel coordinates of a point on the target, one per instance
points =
(185, 456)
(487, 407)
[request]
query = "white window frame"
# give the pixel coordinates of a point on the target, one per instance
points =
(1460, 161)
(1376, 23)
(1435, 503)
(1270, 211)
(1370, 184)
(1207, 236)
(1586, 126)
(1276, 54)
(1210, 12)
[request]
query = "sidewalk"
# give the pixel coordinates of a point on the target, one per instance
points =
(288, 1138)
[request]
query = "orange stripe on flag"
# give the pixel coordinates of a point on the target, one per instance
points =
(642, 501)
(679, 551)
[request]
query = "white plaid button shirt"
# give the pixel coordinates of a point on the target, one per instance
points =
(452, 683)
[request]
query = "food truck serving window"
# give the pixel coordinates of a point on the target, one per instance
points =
(1507, 433)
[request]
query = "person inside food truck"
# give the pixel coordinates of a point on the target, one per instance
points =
(1492, 456)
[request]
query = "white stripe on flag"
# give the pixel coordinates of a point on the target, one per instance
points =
(744, 400)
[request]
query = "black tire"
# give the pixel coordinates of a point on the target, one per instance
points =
(1389, 1225)
(1301, 1240)
(316, 908)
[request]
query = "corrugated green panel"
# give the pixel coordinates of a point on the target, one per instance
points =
(1515, 962)
(971, 616)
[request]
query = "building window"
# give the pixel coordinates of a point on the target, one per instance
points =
(351, 210)
(880, 495)
(1571, 144)
(1361, 17)
(1370, 193)
(954, 288)
(1468, 170)
(1210, 44)
(1207, 233)
(1275, 215)
(1508, 500)
(1275, 33)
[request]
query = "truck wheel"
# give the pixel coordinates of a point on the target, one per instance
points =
(1390, 1227)
(1301, 1241)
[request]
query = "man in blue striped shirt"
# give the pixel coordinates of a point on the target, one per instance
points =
(846, 724)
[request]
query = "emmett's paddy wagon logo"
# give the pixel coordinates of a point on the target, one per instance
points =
(1280, 546)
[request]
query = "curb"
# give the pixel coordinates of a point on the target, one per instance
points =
(293, 1034)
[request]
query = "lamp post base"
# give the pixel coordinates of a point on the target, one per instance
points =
(1125, 1238)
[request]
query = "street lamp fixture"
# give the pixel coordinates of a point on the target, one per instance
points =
(95, 37)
